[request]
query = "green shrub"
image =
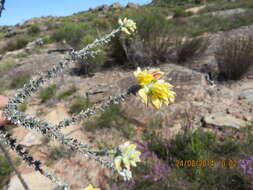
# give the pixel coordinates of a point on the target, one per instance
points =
(7, 64)
(234, 57)
(189, 48)
(16, 44)
(91, 63)
(179, 12)
(172, 3)
(67, 93)
(5, 171)
(79, 103)
(33, 30)
(46, 40)
(20, 80)
(47, 93)
(201, 145)
(57, 153)
(71, 33)
(150, 46)
(111, 117)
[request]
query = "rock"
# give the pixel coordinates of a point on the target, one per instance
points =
(116, 5)
(229, 12)
(132, 5)
(246, 94)
(102, 8)
(10, 32)
(32, 139)
(195, 9)
(33, 44)
(34, 180)
(222, 119)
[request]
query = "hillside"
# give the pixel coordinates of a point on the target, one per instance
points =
(205, 49)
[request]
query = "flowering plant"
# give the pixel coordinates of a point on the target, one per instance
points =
(125, 155)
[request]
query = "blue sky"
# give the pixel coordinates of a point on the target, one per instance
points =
(20, 10)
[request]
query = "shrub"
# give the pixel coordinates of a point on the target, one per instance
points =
(6, 65)
(47, 93)
(179, 12)
(33, 30)
(20, 80)
(80, 103)
(5, 171)
(201, 145)
(91, 63)
(67, 93)
(172, 3)
(234, 57)
(46, 40)
(16, 44)
(111, 117)
(57, 153)
(71, 33)
(189, 48)
(150, 47)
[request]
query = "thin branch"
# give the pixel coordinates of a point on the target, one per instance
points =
(6, 154)
(2, 2)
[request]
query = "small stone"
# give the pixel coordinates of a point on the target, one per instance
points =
(246, 94)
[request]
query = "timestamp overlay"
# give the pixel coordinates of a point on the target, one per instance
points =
(207, 163)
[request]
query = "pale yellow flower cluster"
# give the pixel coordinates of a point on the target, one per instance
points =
(90, 187)
(158, 91)
(127, 25)
(127, 158)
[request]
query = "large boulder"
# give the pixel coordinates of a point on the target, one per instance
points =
(116, 5)
(132, 5)
(225, 120)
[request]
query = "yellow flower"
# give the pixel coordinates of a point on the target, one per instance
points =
(147, 76)
(127, 158)
(90, 187)
(160, 93)
(143, 77)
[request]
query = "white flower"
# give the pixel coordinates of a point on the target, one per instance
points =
(127, 25)
(128, 157)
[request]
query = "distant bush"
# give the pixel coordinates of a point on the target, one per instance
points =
(16, 44)
(91, 63)
(20, 80)
(79, 103)
(33, 30)
(58, 153)
(7, 64)
(47, 93)
(46, 40)
(234, 57)
(150, 47)
(71, 33)
(189, 48)
(172, 3)
(67, 93)
(111, 117)
(179, 12)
